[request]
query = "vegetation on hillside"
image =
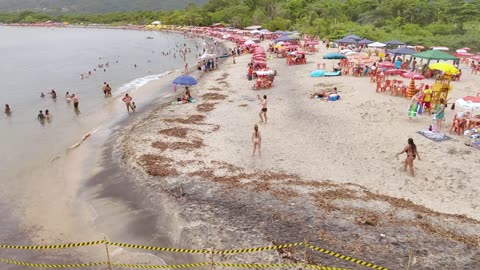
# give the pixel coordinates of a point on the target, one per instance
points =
(452, 23)
(93, 6)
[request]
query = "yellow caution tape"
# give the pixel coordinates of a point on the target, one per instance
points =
(146, 266)
(275, 265)
(84, 244)
(346, 258)
(53, 265)
(245, 250)
(182, 250)
(159, 248)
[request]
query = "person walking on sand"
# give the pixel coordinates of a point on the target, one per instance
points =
(263, 112)
(257, 141)
(127, 99)
(412, 153)
(440, 113)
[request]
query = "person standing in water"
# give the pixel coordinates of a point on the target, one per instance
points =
(127, 99)
(104, 89)
(257, 141)
(8, 110)
(263, 112)
(412, 153)
(75, 101)
(41, 116)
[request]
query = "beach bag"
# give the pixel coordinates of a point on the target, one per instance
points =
(453, 106)
(420, 109)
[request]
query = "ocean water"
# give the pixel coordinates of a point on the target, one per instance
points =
(36, 60)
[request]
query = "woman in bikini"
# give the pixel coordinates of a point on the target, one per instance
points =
(412, 153)
(257, 141)
(263, 112)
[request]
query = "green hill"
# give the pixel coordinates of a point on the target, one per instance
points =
(94, 6)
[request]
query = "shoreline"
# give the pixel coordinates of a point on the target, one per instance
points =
(45, 221)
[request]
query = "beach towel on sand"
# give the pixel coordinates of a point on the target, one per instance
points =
(332, 74)
(434, 136)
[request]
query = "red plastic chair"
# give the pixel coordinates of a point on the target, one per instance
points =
(379, 87)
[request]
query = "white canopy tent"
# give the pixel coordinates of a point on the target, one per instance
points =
(377, 45)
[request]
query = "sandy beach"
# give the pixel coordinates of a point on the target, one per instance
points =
(328, 170)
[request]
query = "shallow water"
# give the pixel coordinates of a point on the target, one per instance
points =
(36, 60)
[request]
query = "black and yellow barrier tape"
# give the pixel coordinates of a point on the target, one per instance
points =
(274, 265)
(181, 250)
(246, 250)
(216, 252)
(146, 266)
(346, 258)
(43, 265)
(72, 245)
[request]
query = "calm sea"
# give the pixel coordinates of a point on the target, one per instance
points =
(36, 60)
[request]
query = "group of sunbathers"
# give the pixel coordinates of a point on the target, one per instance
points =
(328, 96)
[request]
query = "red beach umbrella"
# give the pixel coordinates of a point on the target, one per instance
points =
(412, 75)
(395, 71)
(386, 65)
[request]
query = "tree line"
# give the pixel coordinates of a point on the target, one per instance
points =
(451, 23)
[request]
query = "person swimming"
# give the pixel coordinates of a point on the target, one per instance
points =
(53, 94)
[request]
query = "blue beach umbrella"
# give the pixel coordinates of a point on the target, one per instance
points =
(334, 56)
(185, 80)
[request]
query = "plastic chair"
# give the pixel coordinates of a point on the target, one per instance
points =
(388, 84)
(379, 87)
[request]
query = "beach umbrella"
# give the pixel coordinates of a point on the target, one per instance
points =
(435, 55)
(395, 43)
(346, 41)
(345, 51)
(377, 45)
(445, 67)
(461, 51)
(386, 65)
(477, 58)
(265, 72)
(412, 75)
(395, 71)
(295, 36)
(465, 48)
(469, 102)
(185, 80)
(249, 42)
(403, 51)
(351, 53)
(364, 42)
(354, 37)
(334, 56)
(440, 48)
